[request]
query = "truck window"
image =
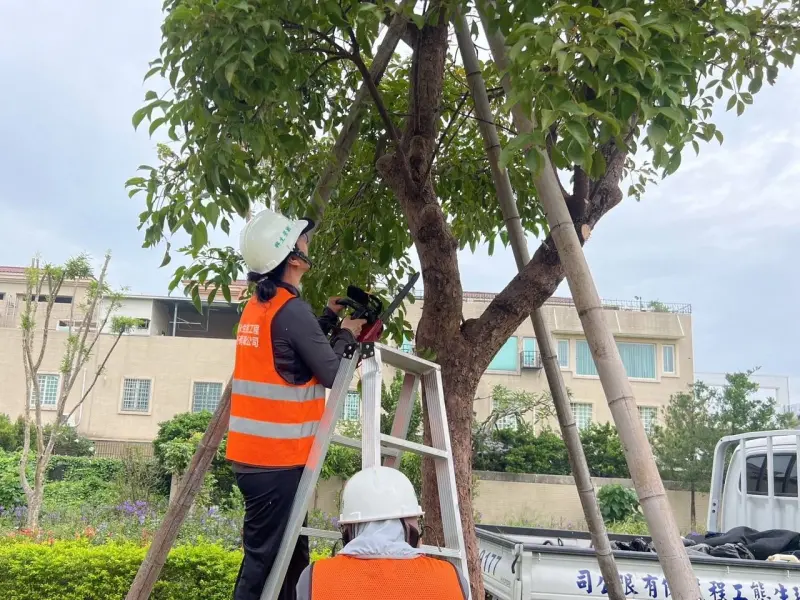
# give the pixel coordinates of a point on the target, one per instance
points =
(784, 473)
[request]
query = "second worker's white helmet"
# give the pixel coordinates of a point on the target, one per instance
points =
(378, 494)
(268, 238)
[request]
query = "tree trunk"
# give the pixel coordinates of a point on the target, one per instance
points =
(649, 487)
(692, 507)
(519, 245)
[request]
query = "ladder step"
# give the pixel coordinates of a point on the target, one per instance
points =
(335, 535)
(405, 361)
(320, 533)
(442, 552)
(401, 444)
(352, 443)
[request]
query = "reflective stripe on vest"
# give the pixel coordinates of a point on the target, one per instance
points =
(272, 423)
(349, 578)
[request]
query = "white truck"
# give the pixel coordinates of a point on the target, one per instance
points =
(541, 564)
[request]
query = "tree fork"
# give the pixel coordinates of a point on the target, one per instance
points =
(638, 454)
(558, 390)
(167, 533)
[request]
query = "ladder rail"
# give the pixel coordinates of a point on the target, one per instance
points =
(373, 444)
(310, 476)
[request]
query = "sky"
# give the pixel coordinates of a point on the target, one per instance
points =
(720, 234)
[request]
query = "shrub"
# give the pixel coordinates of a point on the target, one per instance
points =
(8, 434)
(76, 571)
(11, 493)
(183, 427)
(617, 503)
(68, 442)
(603, 450)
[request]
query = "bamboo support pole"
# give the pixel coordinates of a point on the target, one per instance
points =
(519, 245)
(619, 394)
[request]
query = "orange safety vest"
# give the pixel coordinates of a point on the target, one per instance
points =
(272, 422)
(349, 578)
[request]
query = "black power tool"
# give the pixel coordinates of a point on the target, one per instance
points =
(370, 307)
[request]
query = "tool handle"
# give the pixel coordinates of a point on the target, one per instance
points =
(371, 332)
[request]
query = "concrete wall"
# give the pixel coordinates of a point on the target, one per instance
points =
(549, 501)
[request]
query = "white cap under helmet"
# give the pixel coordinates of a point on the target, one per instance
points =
(378, 494)
(268, 238)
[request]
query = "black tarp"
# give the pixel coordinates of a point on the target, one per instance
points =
(740, 542)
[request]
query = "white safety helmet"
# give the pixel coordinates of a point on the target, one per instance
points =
(268, 238)
(378, 494)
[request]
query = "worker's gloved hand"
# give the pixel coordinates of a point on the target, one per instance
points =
(353, 325)
(332, 304)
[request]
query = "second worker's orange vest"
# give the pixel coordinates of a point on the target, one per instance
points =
(348, 578)
(272, 423)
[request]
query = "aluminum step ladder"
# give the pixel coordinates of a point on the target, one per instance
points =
(373, 445)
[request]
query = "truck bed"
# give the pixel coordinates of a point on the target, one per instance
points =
(545, 564)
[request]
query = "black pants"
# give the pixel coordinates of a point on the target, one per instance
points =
(268, 498)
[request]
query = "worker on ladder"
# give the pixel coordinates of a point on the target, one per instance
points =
(284, 362)
(381, 558)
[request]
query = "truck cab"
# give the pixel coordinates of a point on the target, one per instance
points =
(754, 482)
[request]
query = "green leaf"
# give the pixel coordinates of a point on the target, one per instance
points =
(151, 95)
(591, 53)
(731, 102)
(696, 147)
(672, 113)
(167, 258)
(740, 108)
(656, 135)
(230, 71)
(719, 136)
(674, 162)
(598, 169)
(613, 40)
(578, 132)
(571, 108)
(755, 84)
(199, 235)
(226, 293)
(548, 118)
(565, 61)
(198, 303)
(247, 57)
(386, 253)
(156, 123)
(738, 26)
(139, 115)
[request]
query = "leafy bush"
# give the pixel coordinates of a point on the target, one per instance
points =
(632, 526)
(76, 468)
(68, 441)
(76, 570)
(184, 427)
(603, 450)
(617, 503)
(11, 493)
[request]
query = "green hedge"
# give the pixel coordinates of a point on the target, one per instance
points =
(79, 571)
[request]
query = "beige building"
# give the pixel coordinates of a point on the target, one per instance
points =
(178, 360)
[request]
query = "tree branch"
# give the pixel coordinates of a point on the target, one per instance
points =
(541, 277)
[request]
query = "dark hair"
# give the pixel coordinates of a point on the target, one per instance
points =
(267, 284)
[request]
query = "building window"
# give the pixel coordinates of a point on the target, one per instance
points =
(58, 300)
(507, 359)
(205, 396)
(506, 421)
(530, 358)
(48, 390)
(563, 353)
(648, 415)
(582, 411)
(639, 359)
(64, 325)
(142, 324)
(584, 365)
(2, 295)
(352, 406)
(136, 395)
(784, 473)
(668, 351)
